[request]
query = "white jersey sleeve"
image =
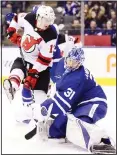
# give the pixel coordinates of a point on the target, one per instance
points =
(18, 21)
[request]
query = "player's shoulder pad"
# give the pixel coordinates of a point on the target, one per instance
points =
(31, 17)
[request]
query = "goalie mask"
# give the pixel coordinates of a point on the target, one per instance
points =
(45, 16)
(74, 59)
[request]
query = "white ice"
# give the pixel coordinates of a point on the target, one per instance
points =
(13, 141)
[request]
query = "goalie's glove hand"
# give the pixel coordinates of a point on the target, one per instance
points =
(44, 123)
(31, 79)
(13, 36)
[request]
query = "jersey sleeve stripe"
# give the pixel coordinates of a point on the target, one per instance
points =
(42, 62)
(95, 99)
(44, 58)
(64, 101)
(60, 107)
(63, 105)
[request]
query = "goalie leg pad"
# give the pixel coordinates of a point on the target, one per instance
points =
(83, 134)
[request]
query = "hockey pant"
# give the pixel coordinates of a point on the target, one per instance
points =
(19, 69)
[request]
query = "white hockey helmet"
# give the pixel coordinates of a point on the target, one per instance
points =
(45, 16)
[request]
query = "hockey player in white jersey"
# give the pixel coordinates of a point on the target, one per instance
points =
(64, 42)
(78, 102)
(37, 44)
(37, 54)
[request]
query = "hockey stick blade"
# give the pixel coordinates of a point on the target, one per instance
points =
(30, 134)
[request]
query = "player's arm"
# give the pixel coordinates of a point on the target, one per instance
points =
(16, 23)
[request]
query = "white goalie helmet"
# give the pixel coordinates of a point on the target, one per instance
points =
(45, 16)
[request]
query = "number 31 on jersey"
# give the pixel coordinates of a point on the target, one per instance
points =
(69, 93)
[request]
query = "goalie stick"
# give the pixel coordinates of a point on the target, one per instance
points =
(32, 133)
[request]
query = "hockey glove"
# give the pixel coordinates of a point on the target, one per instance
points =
(31, 79)
(13, 36)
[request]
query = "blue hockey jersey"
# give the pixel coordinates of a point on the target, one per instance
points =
(76, 93)
(75, 88)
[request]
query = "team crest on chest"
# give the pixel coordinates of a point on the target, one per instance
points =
(29, 43)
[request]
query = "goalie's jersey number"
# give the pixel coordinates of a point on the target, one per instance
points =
(69, 93)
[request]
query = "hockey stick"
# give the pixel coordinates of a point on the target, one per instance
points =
(33, 132)
(26, 71)
(24, 63)
(23, 60)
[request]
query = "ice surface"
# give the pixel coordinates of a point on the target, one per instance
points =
(13, 141)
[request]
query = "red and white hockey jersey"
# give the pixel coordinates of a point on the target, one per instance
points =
(37, 46)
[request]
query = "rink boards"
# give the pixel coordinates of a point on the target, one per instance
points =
(100, 61)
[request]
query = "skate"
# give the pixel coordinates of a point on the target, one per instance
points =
(9, 90)
(103, 149)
